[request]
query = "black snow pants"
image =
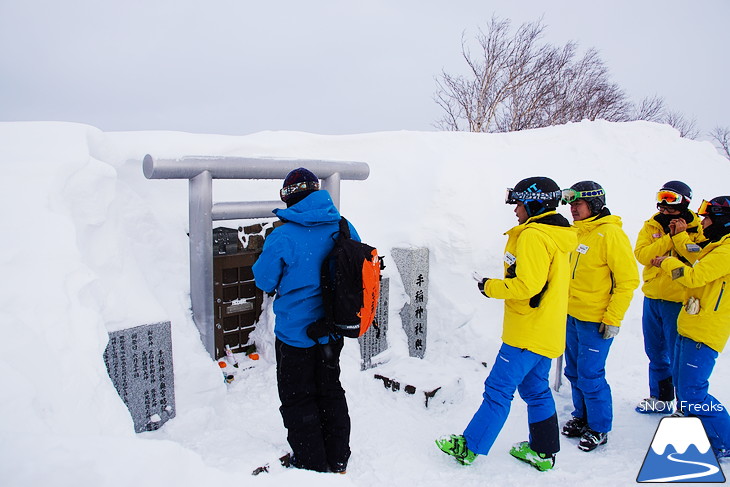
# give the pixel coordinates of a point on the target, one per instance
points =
(313, 405)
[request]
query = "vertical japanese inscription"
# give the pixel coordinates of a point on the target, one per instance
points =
(412, 265)
(375, 340)
(139, 363)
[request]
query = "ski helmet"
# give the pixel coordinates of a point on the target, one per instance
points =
(589, 191)
(667, 195)
(538, 194)
(718, 211)
(716, 206)
(298, 184)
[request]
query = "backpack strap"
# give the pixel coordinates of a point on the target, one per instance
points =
(344, 227)
(326, 284)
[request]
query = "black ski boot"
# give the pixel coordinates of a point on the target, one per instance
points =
(592, 440)
(574, 428)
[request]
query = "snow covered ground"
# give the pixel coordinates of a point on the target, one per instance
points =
(91, 246)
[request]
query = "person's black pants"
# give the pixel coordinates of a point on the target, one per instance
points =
(313, 405)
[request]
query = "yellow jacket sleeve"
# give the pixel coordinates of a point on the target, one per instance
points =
(625, 272)
(647, 246)
(711, 267)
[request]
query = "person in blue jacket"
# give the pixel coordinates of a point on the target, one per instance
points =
(313, 404)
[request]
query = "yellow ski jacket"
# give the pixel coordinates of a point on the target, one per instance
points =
(535, 286)
(652, 242)
(603, 271)
(709, 281)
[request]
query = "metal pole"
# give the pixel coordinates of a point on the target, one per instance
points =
(245, 209)
(201, 257)
(226, 167)
(332, 185)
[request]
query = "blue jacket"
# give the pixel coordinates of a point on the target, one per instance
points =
(291, 262)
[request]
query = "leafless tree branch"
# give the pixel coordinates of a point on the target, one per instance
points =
(515, 82)
(721, 136)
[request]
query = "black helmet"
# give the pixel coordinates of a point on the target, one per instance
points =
(298, 184)
(666, 195)
(538, 194)
(718, 211)
(716, 206)
(590, 191)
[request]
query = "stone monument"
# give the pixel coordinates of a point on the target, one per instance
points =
(412, 265)
(375, 341)
(139, 362)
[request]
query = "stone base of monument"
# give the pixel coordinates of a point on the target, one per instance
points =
(422, 380)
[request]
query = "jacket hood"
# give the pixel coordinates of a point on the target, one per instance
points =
(555, 225)
(315, 209)
(598, 220)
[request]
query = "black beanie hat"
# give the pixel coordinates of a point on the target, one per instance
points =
(298, 184)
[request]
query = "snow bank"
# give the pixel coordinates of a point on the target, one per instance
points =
(91, 246)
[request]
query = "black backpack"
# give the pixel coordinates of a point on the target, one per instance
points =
(350, 282)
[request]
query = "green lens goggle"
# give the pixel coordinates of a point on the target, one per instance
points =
(570, 195)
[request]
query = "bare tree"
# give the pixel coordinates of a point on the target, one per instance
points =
(650, 108)
(687, 128)
(514, 82)
(721, 136)
(653, 109)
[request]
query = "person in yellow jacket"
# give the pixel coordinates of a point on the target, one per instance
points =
(603, 278)
(535, 290)
(662, 296)
(704, 321)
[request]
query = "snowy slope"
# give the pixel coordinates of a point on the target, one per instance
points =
(92, 246)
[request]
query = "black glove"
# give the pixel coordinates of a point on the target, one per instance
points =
(318, 329)
(481, 284)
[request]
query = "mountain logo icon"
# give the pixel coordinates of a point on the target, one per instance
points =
(680, 452)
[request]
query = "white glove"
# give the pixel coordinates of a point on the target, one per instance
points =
(609, 331)
(693, 306)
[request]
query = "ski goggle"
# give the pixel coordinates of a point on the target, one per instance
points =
(710, 208)
(670, 197)
(287, 191)
(570, 195)
(513, 197)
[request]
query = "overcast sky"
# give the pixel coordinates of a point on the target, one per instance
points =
(324, 66)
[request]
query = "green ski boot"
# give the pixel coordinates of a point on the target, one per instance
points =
(455, 445)
(540, 461)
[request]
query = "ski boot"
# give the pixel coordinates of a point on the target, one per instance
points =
(574, 428)
(592, 440)
(455, 445)
(541, 461)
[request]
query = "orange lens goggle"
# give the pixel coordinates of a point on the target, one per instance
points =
(669, 197)
(707, 208)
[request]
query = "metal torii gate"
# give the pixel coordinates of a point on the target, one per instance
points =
(200, 171)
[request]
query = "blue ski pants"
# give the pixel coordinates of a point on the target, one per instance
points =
(528, 373)
(585, 361)
(693, 364)
(659, 323)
